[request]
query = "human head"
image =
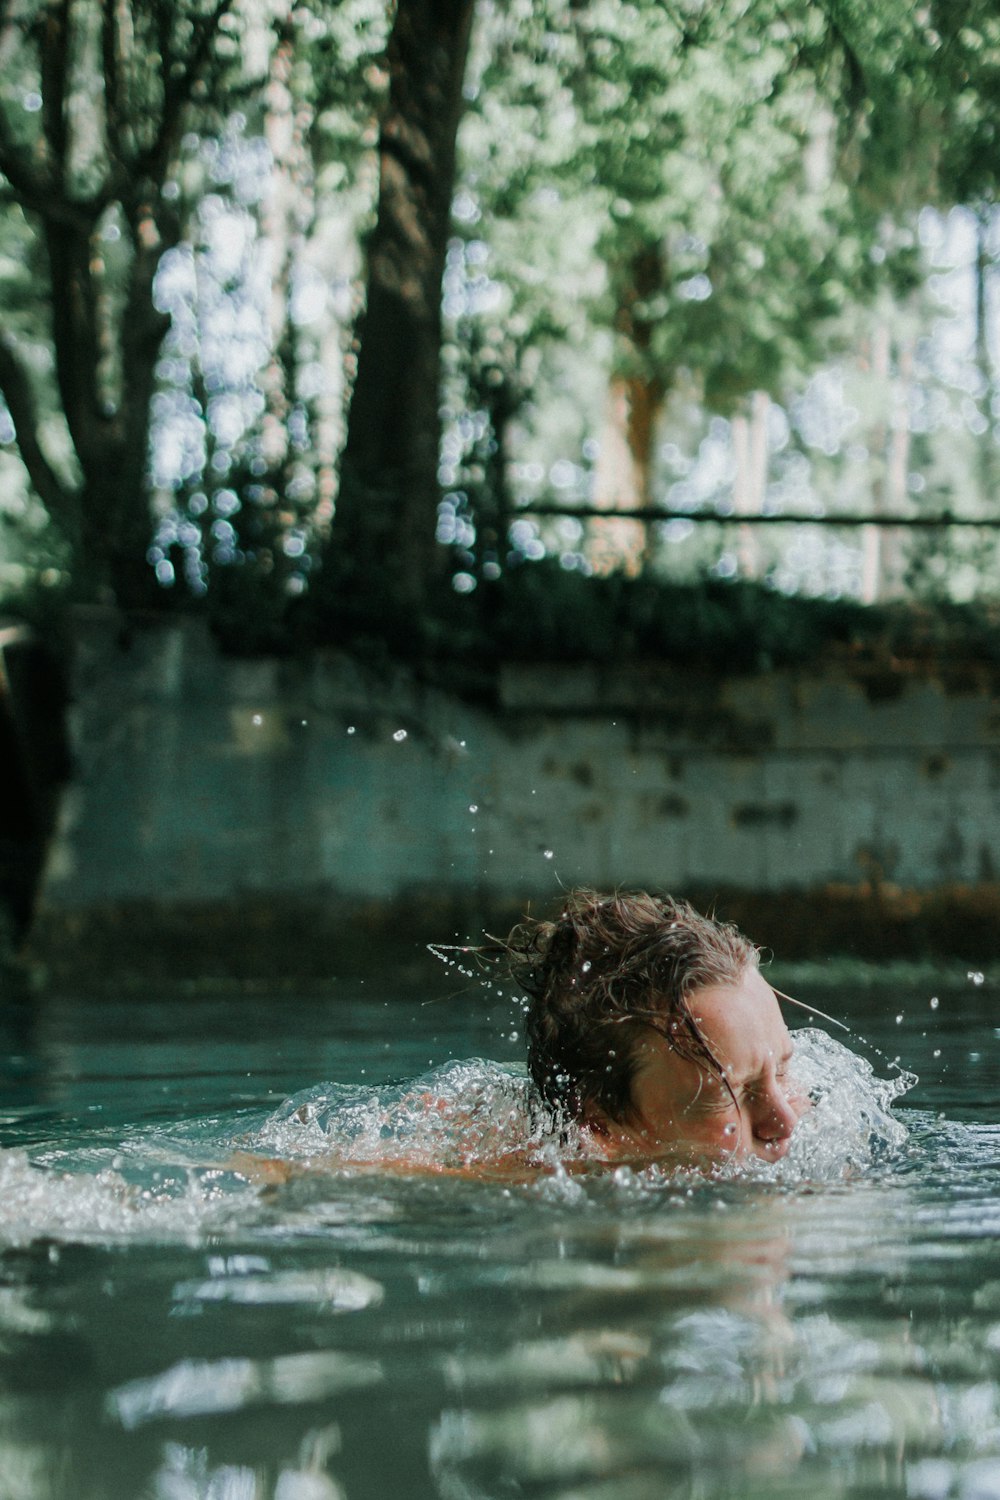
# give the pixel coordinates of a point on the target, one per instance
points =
(610, 985)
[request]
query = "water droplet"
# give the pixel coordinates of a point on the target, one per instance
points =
(936, 1052)
(975, 976)
(258, 719)
(975, 1056)
(729, 1130)
(899, 1019)
(935, 1002)
(586, 967)
(514, 1036)
(399, 736)
(351, 729)
(473, 807)
(548, 854)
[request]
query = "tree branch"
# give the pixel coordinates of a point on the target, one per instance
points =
(55, 72)
(73, 297)
(111, 67)
(39, 185)
(38, 192)
(177, 91)
(15, 387)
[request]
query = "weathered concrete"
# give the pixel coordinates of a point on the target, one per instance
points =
(201, 778)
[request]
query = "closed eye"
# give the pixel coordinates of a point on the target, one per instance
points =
(719, 1105)
(712, 1098)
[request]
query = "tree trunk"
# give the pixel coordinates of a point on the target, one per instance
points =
(142, 334)
(111, 117)
(623, 474)
(110, 437)
(623, 478)
(382, 538)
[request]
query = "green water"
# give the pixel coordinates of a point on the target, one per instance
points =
(169, 1331)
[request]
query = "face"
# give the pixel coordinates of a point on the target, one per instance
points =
(683, 1109)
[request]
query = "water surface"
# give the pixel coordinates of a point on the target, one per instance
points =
(168, 1329)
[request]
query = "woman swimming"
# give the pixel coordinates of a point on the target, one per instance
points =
(651, 1028)
(652, 1037)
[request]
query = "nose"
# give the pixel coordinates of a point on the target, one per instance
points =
(775, 1116)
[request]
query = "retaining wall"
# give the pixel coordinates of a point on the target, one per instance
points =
(200, 777)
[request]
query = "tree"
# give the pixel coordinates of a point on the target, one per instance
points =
(382, 549)
(753, 173)
(96, 97)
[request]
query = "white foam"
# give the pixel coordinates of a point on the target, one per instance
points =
(476, 1112)
(468, 1115)
(457, 1114)
(43, 1203)
(850, 1126)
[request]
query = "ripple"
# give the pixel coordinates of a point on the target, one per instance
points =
(201, 1387)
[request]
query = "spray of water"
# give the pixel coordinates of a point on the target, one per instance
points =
(850, 1125)
(476, 1114)
(475, 1117)
(457, 1115)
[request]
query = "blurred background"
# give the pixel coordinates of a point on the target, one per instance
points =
(450, 451)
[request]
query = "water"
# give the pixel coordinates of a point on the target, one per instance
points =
(171, 1330)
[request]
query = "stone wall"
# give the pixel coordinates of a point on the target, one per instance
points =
(200, 778)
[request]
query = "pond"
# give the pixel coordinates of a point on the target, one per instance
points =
(171, 1331)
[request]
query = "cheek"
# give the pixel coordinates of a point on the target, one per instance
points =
(724, 1128)
(725, 1138)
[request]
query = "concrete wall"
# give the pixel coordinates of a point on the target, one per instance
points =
(200, 777)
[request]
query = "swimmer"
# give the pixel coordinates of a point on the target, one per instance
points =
(651, 1028)
(652, 1037)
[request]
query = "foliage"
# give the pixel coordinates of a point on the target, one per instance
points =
(706, 199)
(128, 134)
(713, 201)
(542, 613)
(705, 155)
(259, 293)
(92, 115)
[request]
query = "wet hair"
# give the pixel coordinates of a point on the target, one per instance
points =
(609, 969)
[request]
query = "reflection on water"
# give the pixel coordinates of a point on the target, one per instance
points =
(198, 1388)
(171, 1331)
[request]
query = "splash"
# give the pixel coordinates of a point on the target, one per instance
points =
(850, 1126)
(477, 1114)
(474, 1118)
(453, 1116)
(106, 1205)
